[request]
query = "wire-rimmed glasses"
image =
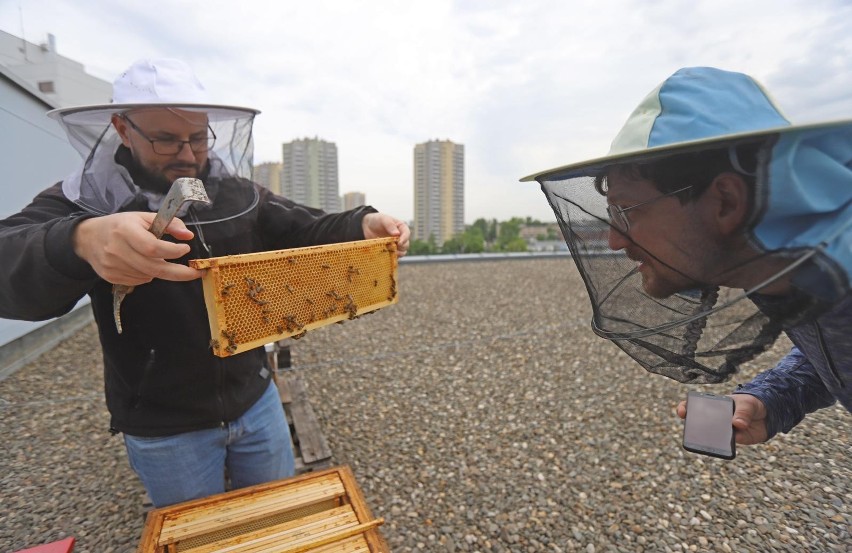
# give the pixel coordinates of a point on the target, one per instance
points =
(617, 216)
(172, 146)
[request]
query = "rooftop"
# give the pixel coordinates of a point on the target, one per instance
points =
(478, 414)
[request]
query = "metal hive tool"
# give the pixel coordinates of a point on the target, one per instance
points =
(258, 298)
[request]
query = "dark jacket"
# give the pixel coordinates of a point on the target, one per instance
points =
(161, 377)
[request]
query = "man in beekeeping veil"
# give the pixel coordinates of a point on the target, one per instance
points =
(713, 225)
(185, 414)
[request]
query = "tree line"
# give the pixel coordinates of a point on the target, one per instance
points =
(485, 236)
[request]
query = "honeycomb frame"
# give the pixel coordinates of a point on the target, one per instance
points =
(257, 298)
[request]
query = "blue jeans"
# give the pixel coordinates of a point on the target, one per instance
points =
(255, 448)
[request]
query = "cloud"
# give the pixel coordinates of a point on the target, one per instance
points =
(524, 86)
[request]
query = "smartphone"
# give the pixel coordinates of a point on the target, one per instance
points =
(708, 428)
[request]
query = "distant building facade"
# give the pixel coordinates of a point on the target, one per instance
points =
(309, 173)
(438, 190)
(351, 200)
(268, 175)
(34, 154)
(61, 80)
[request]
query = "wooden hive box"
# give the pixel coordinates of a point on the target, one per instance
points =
(258, 298)
(318, 512)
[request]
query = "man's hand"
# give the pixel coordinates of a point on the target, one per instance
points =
(121, 250)
(379, 225)
(749, 419)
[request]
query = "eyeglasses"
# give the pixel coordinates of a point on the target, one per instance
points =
(617, 214)
(170, 146)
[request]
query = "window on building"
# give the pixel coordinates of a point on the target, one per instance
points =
(46, 87)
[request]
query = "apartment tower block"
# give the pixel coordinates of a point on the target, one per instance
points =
(309, 173)
(438, 190)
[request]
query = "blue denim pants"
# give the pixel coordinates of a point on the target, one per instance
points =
(255, 448)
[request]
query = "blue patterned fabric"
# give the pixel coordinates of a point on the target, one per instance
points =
(816, 372)
(704, 102)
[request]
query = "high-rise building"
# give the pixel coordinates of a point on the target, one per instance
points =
(351, 200)
(268, 175)
(438, 190)
(309, 173)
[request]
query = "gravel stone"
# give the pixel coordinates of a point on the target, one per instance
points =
(480, 413)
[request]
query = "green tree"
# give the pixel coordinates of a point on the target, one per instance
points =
(453, 245)
(509, 231)
(419, 247)
(473, 240)
(470, 241)
(515, 245)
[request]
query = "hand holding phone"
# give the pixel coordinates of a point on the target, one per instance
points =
(708, 428)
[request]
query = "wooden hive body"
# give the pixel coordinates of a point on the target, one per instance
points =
(318, 512)
(254, 299)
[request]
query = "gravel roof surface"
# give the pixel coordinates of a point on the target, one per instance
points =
(478, 414)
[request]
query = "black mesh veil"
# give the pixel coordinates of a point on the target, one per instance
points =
(102, 186)
(698, 335)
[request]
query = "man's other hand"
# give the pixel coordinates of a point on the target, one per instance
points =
(121, 250)
(749, 418)
(379, 225)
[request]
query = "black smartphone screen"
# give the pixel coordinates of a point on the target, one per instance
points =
(708, 428)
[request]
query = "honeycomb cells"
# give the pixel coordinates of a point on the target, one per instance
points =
(254, 299)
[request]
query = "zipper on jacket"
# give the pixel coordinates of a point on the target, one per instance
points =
(219, 393)
(823, 347)
(143, 382)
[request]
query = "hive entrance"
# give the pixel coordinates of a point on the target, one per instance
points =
(257, 298)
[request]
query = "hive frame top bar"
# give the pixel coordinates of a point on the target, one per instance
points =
(258, 298)
(317, 511)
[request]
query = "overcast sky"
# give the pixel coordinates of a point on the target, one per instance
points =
(524, 85)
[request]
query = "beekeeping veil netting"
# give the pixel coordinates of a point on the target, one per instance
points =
(800, 225)
(101, 185)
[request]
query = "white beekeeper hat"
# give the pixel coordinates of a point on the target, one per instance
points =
(152, 83)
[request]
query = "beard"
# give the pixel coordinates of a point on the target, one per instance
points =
(155, 180)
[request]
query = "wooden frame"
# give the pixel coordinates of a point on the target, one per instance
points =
(258, 298)
(317, 512)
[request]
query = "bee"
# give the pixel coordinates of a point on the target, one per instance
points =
(226, 289)
(287, 287)
(375, 283)
(299, 335)
(309, 300)
(291, 261)
(279, 329)
(351, 271)
(214, 343)
(350, 307)
(324, 266)
(334, 295)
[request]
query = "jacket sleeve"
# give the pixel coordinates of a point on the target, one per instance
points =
(790, 390)
(286, 224)
(41, 277)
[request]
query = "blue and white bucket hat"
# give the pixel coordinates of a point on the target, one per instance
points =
(802, 213)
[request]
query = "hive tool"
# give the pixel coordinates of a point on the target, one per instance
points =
(183, 190)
